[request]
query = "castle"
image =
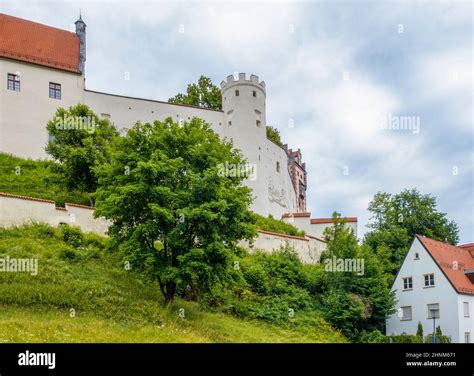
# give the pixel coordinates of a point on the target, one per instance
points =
(42, 68)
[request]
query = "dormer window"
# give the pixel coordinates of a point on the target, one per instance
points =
(13, 82)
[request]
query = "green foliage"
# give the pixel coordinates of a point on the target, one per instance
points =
(353, 301)
(38, 179)
(375, 336)
(439, 337)
(419, 330)
(275, 225)
(113, 304)
(164, 185)
(274, 135)
(405, 338)
(203, 94)
(80, 142)
(396, 219)
(72, 235)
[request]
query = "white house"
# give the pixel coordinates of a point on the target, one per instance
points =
(435, 285)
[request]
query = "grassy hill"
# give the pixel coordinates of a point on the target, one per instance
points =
(36, 179)
(112, 304)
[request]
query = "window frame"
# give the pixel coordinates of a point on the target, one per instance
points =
(403, 318)
(411, 283)
(424, 280)
(429, 317)
(13, 79)
(55, 88)
(464, 305)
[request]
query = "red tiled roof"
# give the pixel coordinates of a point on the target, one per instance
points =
(452, 261)
(80, 206)
(4, 194)
(332, 220)
(296, 215)
(38, 44)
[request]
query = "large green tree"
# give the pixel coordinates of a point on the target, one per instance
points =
(397, 218)
(355, 301)
(79, 141)
(203, 94)
(175, 211)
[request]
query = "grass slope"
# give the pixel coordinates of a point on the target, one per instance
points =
(35, 179)
(110, 303)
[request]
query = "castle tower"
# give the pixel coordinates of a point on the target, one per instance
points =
(81, 33)
(243, 103)
(298, 176)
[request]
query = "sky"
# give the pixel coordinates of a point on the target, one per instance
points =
(341, 77)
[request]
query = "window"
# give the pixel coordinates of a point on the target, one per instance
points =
(466, 309)
(417, 256)
(54, 90)
(230, 123)
(429, 280)
(278, 166)
(467, 337)
(13, 82)
(407, 283)
(406, 313)
(259, 123)
(433, 311)
(236, 93)
(254, 94)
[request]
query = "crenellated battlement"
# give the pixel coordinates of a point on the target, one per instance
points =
(241, 79)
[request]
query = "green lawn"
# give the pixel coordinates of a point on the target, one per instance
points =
(112, 304)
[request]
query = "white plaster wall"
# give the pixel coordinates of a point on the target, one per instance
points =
(17, 211)
(442, 293)
(315, 229)
(126, 111)
(466, 324)
(309, 250)
(24, 114)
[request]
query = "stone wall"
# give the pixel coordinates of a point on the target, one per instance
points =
(17, 210)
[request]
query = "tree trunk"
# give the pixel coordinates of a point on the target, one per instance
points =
(170, 291)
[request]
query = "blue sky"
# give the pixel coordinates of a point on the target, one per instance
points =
(335, 70)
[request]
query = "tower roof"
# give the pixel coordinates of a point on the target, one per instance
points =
(36, 43)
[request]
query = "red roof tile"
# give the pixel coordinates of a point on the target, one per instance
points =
(452, 261)
(38, 44)
(331, 220)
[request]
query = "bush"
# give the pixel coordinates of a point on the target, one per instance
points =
(68, 254)
(405, 338)
(274, 225)
(72, 236)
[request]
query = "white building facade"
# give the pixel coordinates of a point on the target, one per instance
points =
(435, 287)
(47, 71)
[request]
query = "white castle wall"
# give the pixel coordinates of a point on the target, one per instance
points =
(124, 112)
(18, 210)
(308, 249)
(24, 114)
(302, 221)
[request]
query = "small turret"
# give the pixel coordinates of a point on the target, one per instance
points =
(81, 33)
